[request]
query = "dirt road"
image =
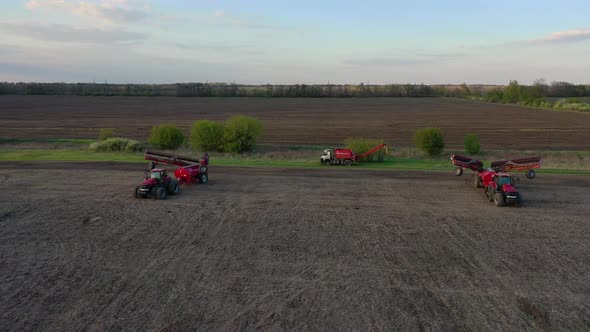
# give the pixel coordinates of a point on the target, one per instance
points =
(300, 121)
(271, 248)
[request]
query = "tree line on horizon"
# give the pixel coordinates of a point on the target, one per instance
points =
(553, 89)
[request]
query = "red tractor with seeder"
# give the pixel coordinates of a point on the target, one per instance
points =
(158, 184)
(498, 185)
(345, 156)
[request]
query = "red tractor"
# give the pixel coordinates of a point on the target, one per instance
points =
(158, 185)
(498, 185)
(345, 156)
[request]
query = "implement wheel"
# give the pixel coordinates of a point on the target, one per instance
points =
(459, 171)
(531, 174)
(348, 163)
(203, 178)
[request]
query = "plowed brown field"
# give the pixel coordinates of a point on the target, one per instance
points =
(300, 121)
(301, 249)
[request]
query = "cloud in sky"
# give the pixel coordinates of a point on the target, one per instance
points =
(305, 41)
(68, 34)
(569, 36)
(114, 11)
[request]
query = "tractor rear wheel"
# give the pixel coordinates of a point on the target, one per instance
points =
(499, 199)
(459, 171)
(203, 178)
(531, 174)
(173, 187)
(160, 193)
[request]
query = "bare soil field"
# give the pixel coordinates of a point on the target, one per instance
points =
(272, 248)
(300, 121)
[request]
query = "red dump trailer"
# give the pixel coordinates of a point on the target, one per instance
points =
(340, 156)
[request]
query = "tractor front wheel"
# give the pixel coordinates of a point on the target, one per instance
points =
(160, 193)
(499, 199)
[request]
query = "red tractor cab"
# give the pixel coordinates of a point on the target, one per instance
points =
(157, 185)
(498, 187)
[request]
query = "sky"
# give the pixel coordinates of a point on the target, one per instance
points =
(295, 42)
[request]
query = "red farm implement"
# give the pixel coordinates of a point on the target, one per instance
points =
(523, 164)
(190, 170)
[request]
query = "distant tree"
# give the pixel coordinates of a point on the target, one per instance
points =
(105, 133)
(241, 133)
(539, 88)
(471, 142)
(512, 93)
(430, 140)
(166, 136)
(207, 135)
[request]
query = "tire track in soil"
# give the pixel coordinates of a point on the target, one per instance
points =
(117, 298)
(289, 287)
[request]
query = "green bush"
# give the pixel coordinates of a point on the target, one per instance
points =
(166, 136)
(241, 133)
(566, 105)
(207, 135)
(105, 133)
(430, 140)
(116, 144)
(471, 142)
(362, 145)
(133, 146)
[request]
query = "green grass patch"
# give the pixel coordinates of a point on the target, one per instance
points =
(68, 155)
(438, 164)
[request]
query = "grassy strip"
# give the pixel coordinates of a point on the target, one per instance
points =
(80, 141)
(89, 156)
